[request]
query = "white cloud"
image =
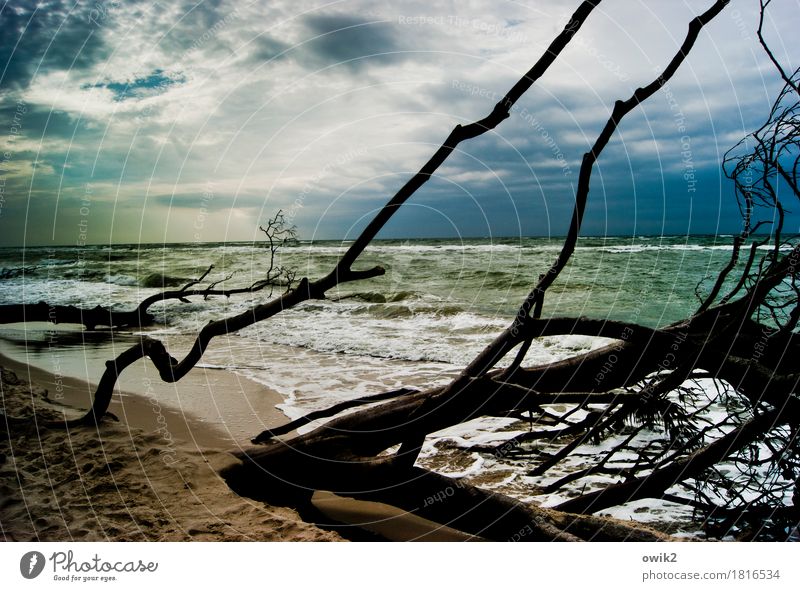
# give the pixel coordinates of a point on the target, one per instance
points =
(261, 107)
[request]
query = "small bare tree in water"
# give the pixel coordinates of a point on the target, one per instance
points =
(277, 232)
(737, 466)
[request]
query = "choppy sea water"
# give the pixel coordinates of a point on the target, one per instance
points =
(439, 304)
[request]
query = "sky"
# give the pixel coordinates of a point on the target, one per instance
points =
(181, 121)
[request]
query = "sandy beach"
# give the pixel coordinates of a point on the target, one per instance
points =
(151, 476)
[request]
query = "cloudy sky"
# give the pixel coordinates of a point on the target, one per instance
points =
(182, 121)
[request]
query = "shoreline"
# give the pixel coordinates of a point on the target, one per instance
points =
(127, 482)
(124, 481)
(211, 407)
(133, 409)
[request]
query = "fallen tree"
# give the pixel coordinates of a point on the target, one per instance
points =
(742, 337)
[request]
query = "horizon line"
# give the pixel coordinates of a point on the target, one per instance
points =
(343, 240)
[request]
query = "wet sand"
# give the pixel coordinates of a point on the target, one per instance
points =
(208, 406)
(151, 476)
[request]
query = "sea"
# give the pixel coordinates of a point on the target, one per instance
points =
(439, 304)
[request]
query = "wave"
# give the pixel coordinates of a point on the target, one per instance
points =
(403, 295)
(161, 280)
(14, 272)
(634, 248)
(370, 296)
(122, 279)
(374, 297)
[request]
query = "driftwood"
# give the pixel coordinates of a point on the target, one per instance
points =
(743, 336)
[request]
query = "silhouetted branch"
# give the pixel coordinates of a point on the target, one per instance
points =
(640, 393)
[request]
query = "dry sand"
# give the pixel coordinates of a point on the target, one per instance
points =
(151, 476)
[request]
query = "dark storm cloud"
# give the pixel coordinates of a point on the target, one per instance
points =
(35, 39)
(265, 48)
(209, 201)
(199, 25)
(34, 120)
(351, 41)
(49, 134)
(185, 102)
